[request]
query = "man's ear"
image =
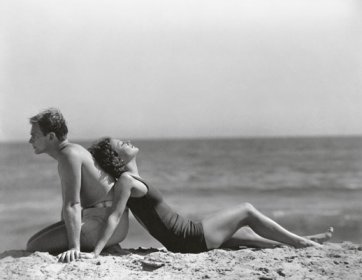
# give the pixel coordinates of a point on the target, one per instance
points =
(52, 136)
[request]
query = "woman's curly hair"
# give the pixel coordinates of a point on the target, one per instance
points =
(107, 158)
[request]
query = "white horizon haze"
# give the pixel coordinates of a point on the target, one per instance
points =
(183, 69)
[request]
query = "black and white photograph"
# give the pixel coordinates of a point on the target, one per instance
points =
(172, 139)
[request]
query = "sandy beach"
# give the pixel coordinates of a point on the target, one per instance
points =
(332, 261)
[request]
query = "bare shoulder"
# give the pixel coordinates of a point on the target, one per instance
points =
(73, 154)
(137, 187)
(126, 177)
(74, 151)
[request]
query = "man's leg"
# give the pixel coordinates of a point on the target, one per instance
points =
(93, 223)
(52, 239)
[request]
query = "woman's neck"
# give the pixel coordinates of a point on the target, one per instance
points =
(132, 167)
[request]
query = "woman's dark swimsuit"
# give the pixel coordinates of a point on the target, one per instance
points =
(175, 232)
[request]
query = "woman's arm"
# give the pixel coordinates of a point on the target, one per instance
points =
(122, 192)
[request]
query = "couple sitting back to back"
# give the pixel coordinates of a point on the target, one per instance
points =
(99, 185)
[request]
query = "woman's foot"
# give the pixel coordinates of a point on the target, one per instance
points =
(304, 242)
(321, 237)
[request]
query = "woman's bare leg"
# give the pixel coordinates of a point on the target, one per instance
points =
(321, 237)
(221, 227)
(247, 237)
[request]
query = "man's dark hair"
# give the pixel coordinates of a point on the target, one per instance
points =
(51, 120)
(107, 158)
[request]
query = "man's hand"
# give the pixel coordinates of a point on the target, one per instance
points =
(88, 255)
(69, 256)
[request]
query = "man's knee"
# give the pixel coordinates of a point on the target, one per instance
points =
(35, 244)
(31, 245)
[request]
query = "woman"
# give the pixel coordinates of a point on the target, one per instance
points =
(176, 233)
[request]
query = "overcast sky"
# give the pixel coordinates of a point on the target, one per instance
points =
(212, 68)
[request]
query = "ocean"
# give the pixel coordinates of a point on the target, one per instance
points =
(305, 184)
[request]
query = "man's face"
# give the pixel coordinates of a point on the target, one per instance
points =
(38, 140)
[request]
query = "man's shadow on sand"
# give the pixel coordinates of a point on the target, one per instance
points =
(15, 254)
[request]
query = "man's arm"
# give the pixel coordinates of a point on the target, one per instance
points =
(70, 175)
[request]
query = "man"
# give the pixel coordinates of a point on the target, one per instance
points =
(85, 187)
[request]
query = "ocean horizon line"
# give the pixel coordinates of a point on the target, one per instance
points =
(209, 138)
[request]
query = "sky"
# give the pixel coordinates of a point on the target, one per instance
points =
(171, 69)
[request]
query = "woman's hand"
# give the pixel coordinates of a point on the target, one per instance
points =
(69, 256)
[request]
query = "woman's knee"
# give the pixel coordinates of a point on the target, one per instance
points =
(248, 209)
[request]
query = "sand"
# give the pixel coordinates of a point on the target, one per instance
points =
(332, 261)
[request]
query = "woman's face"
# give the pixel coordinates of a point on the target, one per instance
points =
(124, 149)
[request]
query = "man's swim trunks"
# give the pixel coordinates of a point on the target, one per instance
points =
(93, 222)
(175, 232)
